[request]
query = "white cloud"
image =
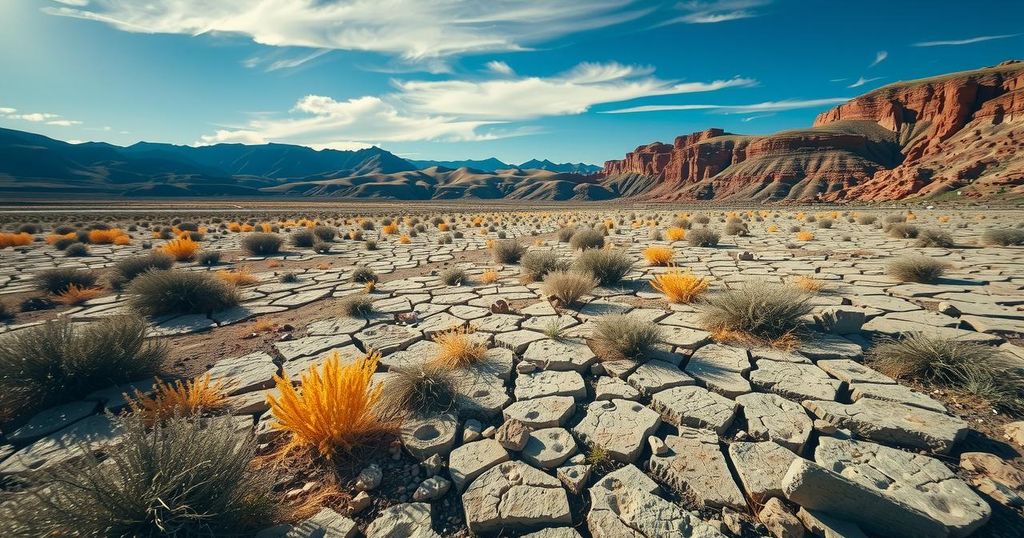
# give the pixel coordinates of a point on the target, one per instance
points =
(458, 110)
(411, 29)
(968, 41)
(717, 11)
(501, 68)
(275, 62)
(768, 106)
(862, 81)
(64, 123)
(35, 116)
(6, 110)
(880, 57)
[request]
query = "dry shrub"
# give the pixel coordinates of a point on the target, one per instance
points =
(902, 230)
(608, 267)
(422, 391)
(621, 337)
(76, 295)
(454, 276)
(59, 280)
(262, 244)
(804, 236)
(921, 269)
(489, 276)
(358, 305)
(809, 283)
(763, 310)
(586, 238)
(1003, 237)
(675, 234)
(336, 410)
(457, 349)
(538, 263)
(658, 256)
(567, 286)
(106, 237)
(680, 287)
(17, 239)
(930, 237)
(129, 268)
(192, 397)
(238, 277)
(180, 292)
(179, 478)
(702, 237)
(181, 249)
(507, 251)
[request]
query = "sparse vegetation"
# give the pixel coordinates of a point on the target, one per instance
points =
(538, 263)
(508, 251)
(567, 286)
(608, 267)
(620, 337)
(456, 276)
(702, 237)
(156, 293)
(181, 399)
(901, 230)
(358, 305)
(680, 287)
(262, 244)
(181, 249)
(59, 280)
(364, 275)
(1003, 237)
(762, 310)
(658, 255)
(422, 391)
(586, 238)
(930, 237)
(921, 269)
(457, 348)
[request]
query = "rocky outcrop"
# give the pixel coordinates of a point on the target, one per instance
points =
(961, 132)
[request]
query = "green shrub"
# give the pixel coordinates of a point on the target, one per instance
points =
(621, 337)
(129, 268)
(537, 263)
(57, 361)
(606, 266)
(586, 238)
(262, 244)
(57, 281)
(508, 251)
(702, 237)
(157, 293)
(178, 478)
(764, 310)
(920, 269)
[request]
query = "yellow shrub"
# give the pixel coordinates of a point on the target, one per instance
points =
(458, 349)
(241, 277)
(405, 240)
(104, 237)
(658, 255)
(390, 229)
(911, 216)
(443, 227)
(181, 249)
(804, 236)
(489, 277)
(266, 227)
(122, 240)
(18, 240)
(675, 234)
(336, 409)
(680, 287)
(51, 239)
(180, 399)
(772, 228)
(76, 295)
(808, 283)
(246, 228)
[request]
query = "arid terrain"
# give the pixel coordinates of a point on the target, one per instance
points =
(388, 369)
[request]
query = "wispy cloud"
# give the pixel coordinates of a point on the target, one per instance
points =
(413, 30)
(768, 106)
(968, 41)
(48, 118)
(6, 110)
(716, 11)
(862, 81)
(459, 110)
(275, 62)
(880, 57)
(499, 67)
(64, 123)
(752, 118)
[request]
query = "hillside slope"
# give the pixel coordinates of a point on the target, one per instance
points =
(960, 132)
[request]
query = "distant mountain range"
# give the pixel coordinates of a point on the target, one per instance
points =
(493, 165)
(32, 164)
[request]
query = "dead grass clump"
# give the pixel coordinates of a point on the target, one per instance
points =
(902, 230)
(364, 275)
(180, 292)
(538, 263)
(930, 237)
(675, 233)
(181, 399)
(508, 251)
(921, 269)
(965, 367)
(567, 286)
(238, 277)
(76, 295)
(419, 391)
(680, 287)
(1003, 237)
(129, 268)
(608, 267)
(358, 305)
(586, 238)
(454, 276)
(702, 237)
(262, 244)
(658, 256)
(489, 276)
(809, 283)
(763, 310)
(57, 281)
(621, 337)
(458, 349)
(21, 239)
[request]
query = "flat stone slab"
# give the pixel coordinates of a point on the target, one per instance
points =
(893, 423)
(53, 419)
(895, 327)
(543, 412)
(772, 417)
(895, 393)
(310, 345)
(696, 467)
(695, 407)
(479, 394)
(247, 373)
(562, 354)
(853, 372)
(470, 460)
(326, 522)
(63, 446)
(794, 380)
(517, 341)
(761, 468)
(611, 388)
(620, 427)
(654, 375)
(721, 368)
(548, 448)
(408, 519)
(336, 326)
(828, 346)
(388, 338)
(550, 383)
(684, 337)
(514, 497)
(624, 503)
(913, 479)
(423, 438)
(498, 323)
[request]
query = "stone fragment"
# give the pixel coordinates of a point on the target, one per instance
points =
(544, 412)
(772, 417)
(369, 478)
(761, 467)
(513, 435)
(574, 477)
(246, 373)
(325, 524)
(550, 383)
(619, 427)
(794, 381)
(409, 520)
(514, 497)
(780, 521)
(720, 368)
(695, 407)
(840, 319)
(827, 526)
(471, 460)
(50, 420)
(696, 467)
(654, 375)
(431, 489)
(853, 372)
(548, 448)
(613, 388)
(561, 354)
(893, 423)
(425, 437)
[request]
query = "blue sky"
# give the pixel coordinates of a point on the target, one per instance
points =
(448, 79)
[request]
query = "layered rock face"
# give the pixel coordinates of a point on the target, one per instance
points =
(954, 132)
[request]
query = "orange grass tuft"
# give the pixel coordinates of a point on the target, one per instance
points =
(51, 239)
(18, 240)
(390, 229)
(335, 410)
(458, 349)
(658, 256)
(404, 239)
(808, 283)
(804, 236)
(240, 277)
(180, 399)
(489, 277)
(675, 234)
(76, 295)
(105, 237)
(181, 249)
(680, 287)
